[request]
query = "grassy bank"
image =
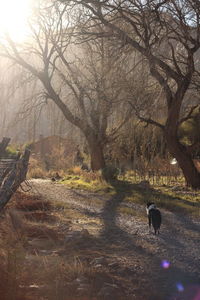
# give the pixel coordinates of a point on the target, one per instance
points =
(175, 198)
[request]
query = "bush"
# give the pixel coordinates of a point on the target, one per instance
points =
(84, 175)
(110, 173)
(59, 159)
(36, 169)
(11, 152)
(37, 173)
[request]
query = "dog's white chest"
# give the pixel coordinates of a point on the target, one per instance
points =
(149, 208)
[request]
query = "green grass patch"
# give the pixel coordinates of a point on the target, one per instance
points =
(184, 201)
(79, 182)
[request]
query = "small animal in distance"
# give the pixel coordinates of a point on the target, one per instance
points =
(154, 217)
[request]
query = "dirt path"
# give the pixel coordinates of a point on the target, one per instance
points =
(162, 267)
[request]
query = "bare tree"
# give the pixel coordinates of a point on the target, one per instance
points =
(84, 81)
(167, 34)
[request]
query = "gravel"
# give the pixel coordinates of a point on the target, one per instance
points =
(162, 263)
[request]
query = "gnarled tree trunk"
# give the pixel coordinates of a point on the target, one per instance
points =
(185, 161)
(96, 154)
(182, 155)
(97, 158)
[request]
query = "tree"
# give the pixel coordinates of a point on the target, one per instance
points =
(82, 81)
(167, 34)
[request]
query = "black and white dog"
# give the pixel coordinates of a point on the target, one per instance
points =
(154, 216)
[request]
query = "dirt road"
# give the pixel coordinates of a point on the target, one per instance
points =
(155, 267)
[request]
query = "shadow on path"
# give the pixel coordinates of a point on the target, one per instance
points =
(142, 252)
(163, 281)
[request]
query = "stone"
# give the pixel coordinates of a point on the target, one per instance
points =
(99, 261)
(81, 280)
(99, 266)
(113, 265)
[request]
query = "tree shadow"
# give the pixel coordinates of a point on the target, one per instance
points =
(141, 252)
(162, 281)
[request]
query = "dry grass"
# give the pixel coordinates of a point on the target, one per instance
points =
(33, 205)
(12, 256)
(35, 265)
(40, 216)
(87, 176)
(36, 169)
(183, 200)
(37, 173)
(15, 236)
(75, 170)
(57, 161)
(81, 179)
(40, 232)
(60, 159)
(29, 268)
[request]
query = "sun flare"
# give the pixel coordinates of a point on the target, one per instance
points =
(14, 15)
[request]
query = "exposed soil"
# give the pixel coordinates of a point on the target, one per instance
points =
(134, 254)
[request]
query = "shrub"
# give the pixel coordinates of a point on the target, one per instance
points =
(76, 170)
(36, 169)
(110, 173)
(37, 173)
(11, 152)
(59, 159)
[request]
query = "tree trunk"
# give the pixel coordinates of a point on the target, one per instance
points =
(96, 155)
(184, 159)
(176, 149)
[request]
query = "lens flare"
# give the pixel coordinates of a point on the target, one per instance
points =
(165, 264)
(180, 287)
(187, 292)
